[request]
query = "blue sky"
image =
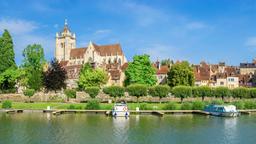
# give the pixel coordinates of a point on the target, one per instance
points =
(192, 30)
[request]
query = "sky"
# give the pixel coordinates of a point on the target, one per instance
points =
(193, 30)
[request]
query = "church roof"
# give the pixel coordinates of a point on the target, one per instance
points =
(105, 50)
(77, 52)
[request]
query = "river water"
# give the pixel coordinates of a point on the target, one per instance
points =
(38, 128)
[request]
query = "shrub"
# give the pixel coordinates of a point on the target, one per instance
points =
(240, 92)
(159, 91)
(144, 106)
(182, 92)
(239, 104)
(252, 92)
(217, 102)
(29, 92)
(137, 90)
(202, 91)
(114, 91)
(249, 104)
(222, 92)
(186, 106)
(74, 107)
(7, 104)
(171, 106)
(70, 93)
(198, 105)
(92, 91)
(93, 105)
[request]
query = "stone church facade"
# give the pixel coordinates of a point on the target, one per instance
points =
(108, 57)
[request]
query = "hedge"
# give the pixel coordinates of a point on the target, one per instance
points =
(70, 93)
(137, 90)
(240, 92)
(29, 92)
(7, 104)
(159, 91)
(92, 91)
(182, 92)
(202, 91)
(93, 105)
(114, 91)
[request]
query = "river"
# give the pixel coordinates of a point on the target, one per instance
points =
(38, 128)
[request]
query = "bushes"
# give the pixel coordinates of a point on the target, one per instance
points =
(222, 92)
(7, 104)
(217, 102)
(250, 104)
(93, 105)
(92, 91)
(240, 92)
(239, 104)
(198, 105)
(70, 93)
(159, 91)
(252, 92)
(144, 106)
(137, 90)
(171, 106)
(114, 91)
(29, 92)
(74, 107)
(186, 106)
(182, 92)
(202, 91)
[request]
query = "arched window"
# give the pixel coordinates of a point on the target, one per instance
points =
(109, 60)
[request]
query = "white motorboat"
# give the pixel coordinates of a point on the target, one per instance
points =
(120, 110)
(222, 110)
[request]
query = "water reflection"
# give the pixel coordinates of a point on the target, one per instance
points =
(230, 128)
(120, 131)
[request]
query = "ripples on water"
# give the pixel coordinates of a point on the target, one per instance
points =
(38, 128)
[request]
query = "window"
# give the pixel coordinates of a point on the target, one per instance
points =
(221, 83)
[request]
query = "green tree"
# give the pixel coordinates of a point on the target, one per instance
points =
(240, 92)
(166, 62)
(55, 76)
(222, 92)
(6, 52)
(33, 65)
(182, 92)
(8, 78)
(140, 71)
(202, 91)
(181, 74)
(89, 77)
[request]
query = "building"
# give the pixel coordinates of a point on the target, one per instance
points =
(108, 57)
(248, 68)
(161, 72)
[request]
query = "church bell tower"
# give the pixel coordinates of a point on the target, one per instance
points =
(65, 41)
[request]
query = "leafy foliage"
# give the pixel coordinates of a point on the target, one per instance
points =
(7, 55)
(198, 105)
(93, 105)
(7, 104)
(140, 71)
(137, 90)
(29, 92)
(171, 106)
(202, 91)
(186, 106)
(8, 78)
(33, 65)
(70, 93)
(92, 91)
(91, 77)
(182, 92)
(252, 92)
(55, 76)
(240, 92)
(222, 92)
(181, 74)
(114, 91)
(159, 91)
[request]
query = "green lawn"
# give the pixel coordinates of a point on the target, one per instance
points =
(54, 105)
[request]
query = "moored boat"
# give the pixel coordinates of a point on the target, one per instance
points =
(120, 110)
(222, 110)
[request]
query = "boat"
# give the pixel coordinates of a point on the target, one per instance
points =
(120, 110)
(222, 110)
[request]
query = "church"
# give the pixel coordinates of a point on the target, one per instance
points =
(108, 57)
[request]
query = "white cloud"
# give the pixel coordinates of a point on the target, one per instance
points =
(24, 33)
(251, 42)
(18, 26)
(102, 31)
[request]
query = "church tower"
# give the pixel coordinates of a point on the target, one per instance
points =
(65, 41)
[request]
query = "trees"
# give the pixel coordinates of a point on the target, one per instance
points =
(8, 78)
(202, 91)
(240, 92)
(159, 91)
(33, 65)
(140, 71)
(55, 76)
(181, 74)
(91, 77)
(182, 92)
(6, 52)
(222, 92)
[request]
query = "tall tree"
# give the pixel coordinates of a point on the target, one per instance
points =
(140, 71)
(55, 76)
(33, 65)
(89, 77)
(7, 57)
(181, 74)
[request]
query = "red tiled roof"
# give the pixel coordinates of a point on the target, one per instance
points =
(124, 66)
(63, 63)
(163, 70)
(77, 52)
(103, 50)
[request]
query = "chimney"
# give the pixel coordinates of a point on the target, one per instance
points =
(157, 64)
